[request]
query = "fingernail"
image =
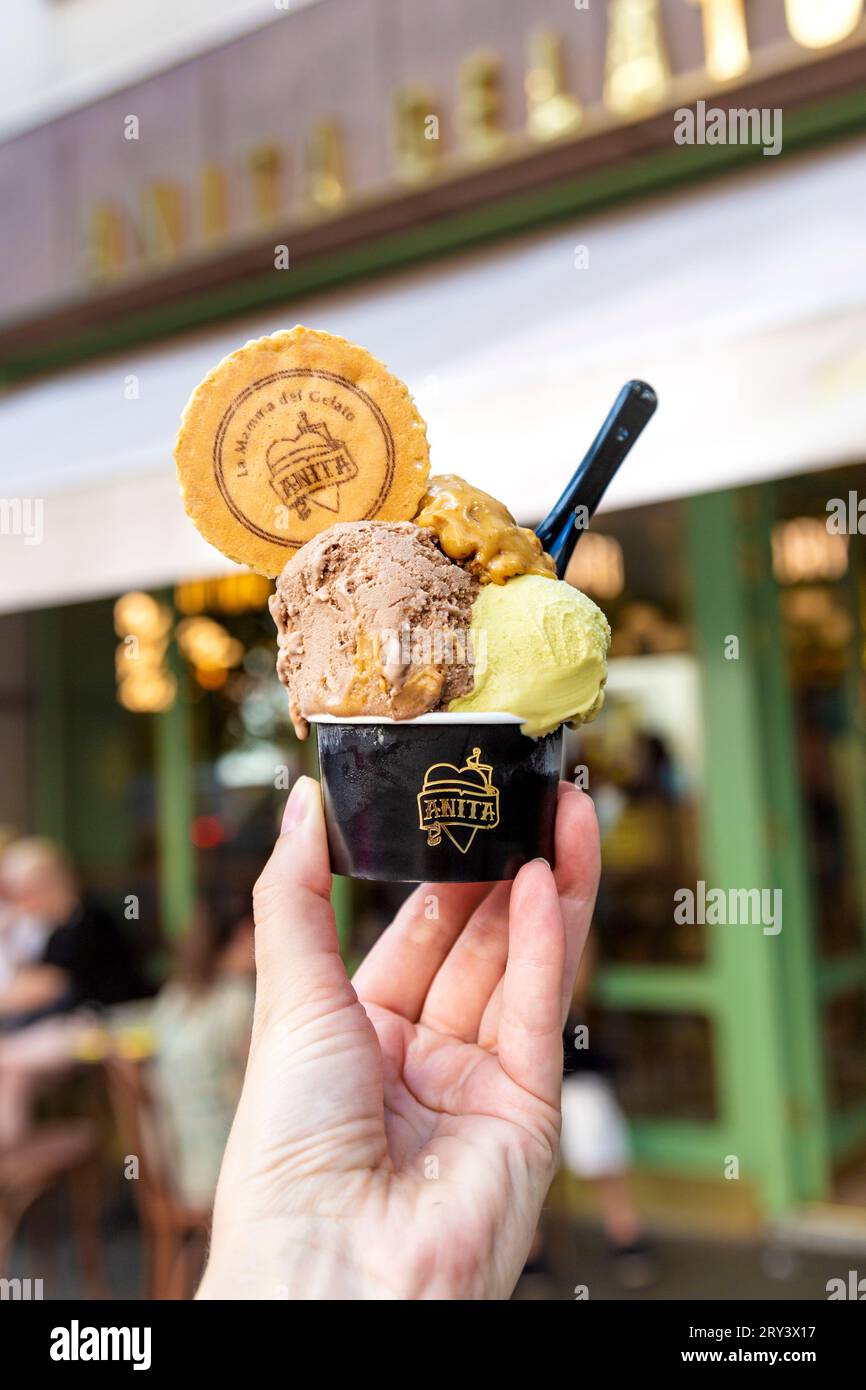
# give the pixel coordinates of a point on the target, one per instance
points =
(297, 805)
(541, 860)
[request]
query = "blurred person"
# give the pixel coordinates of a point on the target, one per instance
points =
(68, 957)
(595, 1138)
(21, 937)
(396, 1135)
(201, 1021)
(84, 960)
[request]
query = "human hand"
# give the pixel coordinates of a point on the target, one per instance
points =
(396, 1136)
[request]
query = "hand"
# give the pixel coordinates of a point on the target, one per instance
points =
(396, 1139)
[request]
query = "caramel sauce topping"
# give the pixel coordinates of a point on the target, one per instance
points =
(368, 686)
(478, 532)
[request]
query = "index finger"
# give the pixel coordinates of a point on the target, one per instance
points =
(400, 967)
(530, 1028)
(578, 868)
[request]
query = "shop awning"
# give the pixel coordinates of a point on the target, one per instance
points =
(743, 303)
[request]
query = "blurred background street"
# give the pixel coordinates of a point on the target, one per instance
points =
(687, 1267)
(489, 196)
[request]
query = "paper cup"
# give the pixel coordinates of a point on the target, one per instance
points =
(446, 798)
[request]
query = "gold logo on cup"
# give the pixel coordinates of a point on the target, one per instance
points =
(459, 801)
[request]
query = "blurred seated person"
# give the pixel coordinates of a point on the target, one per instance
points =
(201, 1021)
(62, 958)
(22, 938)
(84, 960)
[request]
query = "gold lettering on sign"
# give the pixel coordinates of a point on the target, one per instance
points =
(551, 110)
(106, 243)
(214, 204)
(163, 235)
(326, 167)
(416, 134)
(726, 38)
(265, 164)
(820, 23)
(480, 106)
(636, 63)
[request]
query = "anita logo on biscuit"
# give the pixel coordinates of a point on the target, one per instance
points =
(310, 444)
(291, 433)
(310, 468)
(458, 801)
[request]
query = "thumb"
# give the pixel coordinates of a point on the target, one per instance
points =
(295, 926)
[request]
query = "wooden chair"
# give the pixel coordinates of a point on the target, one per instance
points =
(172, 1232)
(67, 1152)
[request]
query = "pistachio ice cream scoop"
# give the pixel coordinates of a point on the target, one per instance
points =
(540, 652)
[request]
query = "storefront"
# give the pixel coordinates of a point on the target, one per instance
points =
(730, 756)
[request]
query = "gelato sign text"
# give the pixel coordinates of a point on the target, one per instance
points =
(268, 184)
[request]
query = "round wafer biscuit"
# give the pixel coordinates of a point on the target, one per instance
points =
(290, 434)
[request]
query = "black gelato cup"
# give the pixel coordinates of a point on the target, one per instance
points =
(446, 798)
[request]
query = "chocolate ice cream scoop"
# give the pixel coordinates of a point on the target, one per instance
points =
(372, 619)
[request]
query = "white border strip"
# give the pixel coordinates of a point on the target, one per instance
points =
(422, 719)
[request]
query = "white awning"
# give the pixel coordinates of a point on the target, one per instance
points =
(743, 302)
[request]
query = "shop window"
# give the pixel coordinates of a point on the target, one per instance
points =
(641, 759)
(662, 1064)
(817, 567)
(245, 753)
(844, 1028)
